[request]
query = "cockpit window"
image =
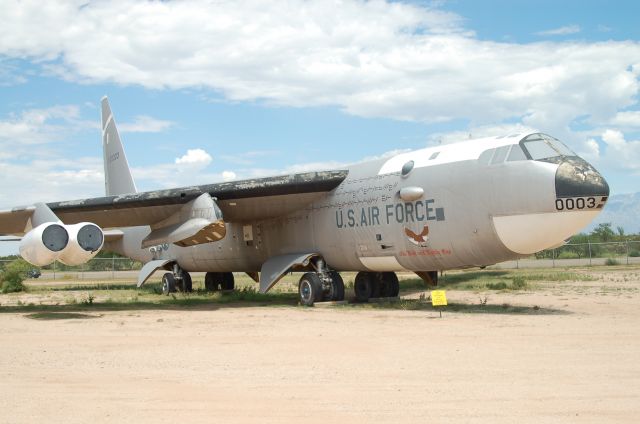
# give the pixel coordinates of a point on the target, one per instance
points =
(500, 155)
(516, 153)
(542, 146)
(559, 146)
(539, 149)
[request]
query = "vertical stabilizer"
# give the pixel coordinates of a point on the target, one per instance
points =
(117, 176)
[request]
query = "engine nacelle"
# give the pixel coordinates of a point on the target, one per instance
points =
(85, 241)
(70, 244)
(43, 244)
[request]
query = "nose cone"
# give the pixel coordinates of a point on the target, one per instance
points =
(575, 177)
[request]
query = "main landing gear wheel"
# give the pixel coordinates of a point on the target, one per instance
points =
(363, 286)
(390, 287)
(214, 281)
(168, 284)
(186, 285)
(336, 289)
(310, 289)
(228, 282)
(368, 285)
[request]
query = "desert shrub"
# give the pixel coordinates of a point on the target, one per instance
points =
(518, 282)
(497, 286)
(13, 275)
(611, 261)
(634, 253)
(567, 254)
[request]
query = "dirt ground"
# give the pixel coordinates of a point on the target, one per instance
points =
(576, 360)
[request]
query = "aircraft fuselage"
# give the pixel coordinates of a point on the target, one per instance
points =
(471, 204)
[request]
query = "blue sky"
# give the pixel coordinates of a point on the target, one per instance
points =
(208, 91)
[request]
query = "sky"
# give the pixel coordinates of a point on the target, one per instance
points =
(207, 91)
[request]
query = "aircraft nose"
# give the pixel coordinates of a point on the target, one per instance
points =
(576, 177)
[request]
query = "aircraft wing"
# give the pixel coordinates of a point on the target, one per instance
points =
(239, 201)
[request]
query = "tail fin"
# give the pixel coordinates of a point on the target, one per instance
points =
(117, 176)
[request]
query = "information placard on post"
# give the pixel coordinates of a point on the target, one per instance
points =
(438, 298)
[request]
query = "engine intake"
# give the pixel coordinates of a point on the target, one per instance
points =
(70, 244)
(85, 241)
(43, 244)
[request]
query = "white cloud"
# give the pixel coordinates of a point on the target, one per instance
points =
(565, 30)
(50, 179)
(10, 74)
(375, 58)
(228, 175)
(36, 126)
(627, 119)
(590, 150)
(621, 153)
(194, 157)
(146, 124)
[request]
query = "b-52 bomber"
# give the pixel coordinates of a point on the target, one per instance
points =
(468, 204)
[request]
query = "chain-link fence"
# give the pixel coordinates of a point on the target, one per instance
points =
(568, 255)
(95, 269)
(581, 254)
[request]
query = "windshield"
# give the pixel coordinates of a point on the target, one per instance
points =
(542, 146)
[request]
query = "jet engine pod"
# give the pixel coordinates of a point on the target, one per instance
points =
(44, 244)
(85, 241)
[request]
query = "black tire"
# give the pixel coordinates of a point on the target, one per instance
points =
(228, 282)
(310, 289)
(377, 285)
(168, 284)
(211, 281)
(337, 287)
(362, 286)
(187, 283)
(434, 277)
(391, 285)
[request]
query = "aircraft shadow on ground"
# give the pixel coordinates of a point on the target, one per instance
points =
(93, 310)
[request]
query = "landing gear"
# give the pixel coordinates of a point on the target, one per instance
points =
(310, 289)
(214, 281)
(369, 285)
(186, 285)
(179, 279)
(322, 285)
(363, 286)
(336, 288)
(168, 284)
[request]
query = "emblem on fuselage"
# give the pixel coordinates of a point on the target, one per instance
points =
(418, 239)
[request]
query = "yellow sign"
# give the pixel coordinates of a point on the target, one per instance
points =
(438, 298)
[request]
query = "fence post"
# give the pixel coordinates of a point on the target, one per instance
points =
(553, 258)
(54, 270)
(113, 267)
(589, 242)
(627, 244)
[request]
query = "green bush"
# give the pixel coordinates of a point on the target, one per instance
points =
(518, 283)
(611, 261)
(634, 253)
(497, 286)
(13, 275)
(12, 286)
(566, 254)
